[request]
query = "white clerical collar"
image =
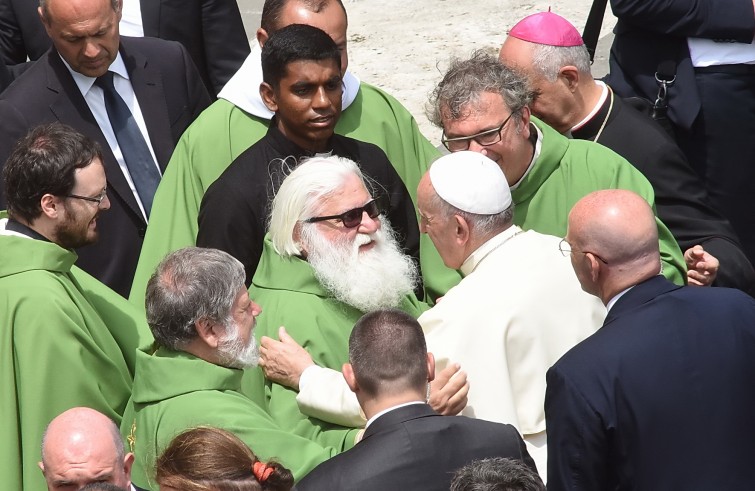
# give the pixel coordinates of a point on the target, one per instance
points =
(616, 298)
(535, 155)
(4, 231)
(85, 83)
(482, 252)
(243, 89)
(376, 416)
(598, 106)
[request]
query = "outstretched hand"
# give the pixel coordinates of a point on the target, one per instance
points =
(449, 390)
(283, 361)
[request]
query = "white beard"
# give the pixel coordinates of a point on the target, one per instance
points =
(234, 354)
(374, 279)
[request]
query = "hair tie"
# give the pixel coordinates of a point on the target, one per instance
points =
(261, 471)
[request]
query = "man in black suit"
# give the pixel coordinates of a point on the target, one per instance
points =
(661, 396)
(712, 101)
(406, 445)
(162, 93)
(210, 30)
(557, 66)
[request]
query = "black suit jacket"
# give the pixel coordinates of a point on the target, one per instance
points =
(415, 448)
(660, 398)
(170, 94)
(680, 196)
(211, 30)
(652, 31)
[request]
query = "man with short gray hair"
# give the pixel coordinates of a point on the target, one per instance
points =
(483, 106)
(203, 321)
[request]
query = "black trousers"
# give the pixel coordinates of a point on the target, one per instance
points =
(720, 146)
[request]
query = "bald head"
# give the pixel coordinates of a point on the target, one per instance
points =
(81, 446)
(614, 230)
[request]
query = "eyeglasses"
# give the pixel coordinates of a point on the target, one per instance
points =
(484, 138)
(92, 199)
(566, 249)
(353, 217)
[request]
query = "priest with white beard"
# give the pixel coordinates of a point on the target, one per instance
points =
(329, 257)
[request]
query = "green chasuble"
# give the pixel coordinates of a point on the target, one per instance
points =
(176, 391)
(223, 131)
(566, 171)
(67, 340)
(291, 296)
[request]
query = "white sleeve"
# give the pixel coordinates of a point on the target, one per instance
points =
(324, 394)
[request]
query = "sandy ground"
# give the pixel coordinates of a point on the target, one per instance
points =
(403, 46)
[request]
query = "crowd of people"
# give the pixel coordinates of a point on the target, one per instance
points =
(235, 268)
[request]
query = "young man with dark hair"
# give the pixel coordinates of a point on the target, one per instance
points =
(302, 85)
(406, 445)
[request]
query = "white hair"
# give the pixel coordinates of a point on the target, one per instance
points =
(302, 194)
(549, 60)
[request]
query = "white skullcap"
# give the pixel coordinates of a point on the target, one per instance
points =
(471, 182)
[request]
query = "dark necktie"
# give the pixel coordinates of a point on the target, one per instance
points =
(141, 165)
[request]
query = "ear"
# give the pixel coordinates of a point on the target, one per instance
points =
(210, 332)
(119, 12)
(430, 367)
(462, 230)
(570, 76)
(50, 205)
(128, 462)
(348, 375)
(594, 266)
(41, 466)
(262, 36)
(268, 96)
(525, 129)
(42, 17)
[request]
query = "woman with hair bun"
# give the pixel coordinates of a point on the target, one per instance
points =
(211, 459)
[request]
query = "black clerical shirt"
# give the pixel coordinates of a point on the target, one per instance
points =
(235, 209)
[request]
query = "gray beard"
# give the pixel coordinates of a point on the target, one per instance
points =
(234, 354)
(374, 279)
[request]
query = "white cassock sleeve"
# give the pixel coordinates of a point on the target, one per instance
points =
(324, 394)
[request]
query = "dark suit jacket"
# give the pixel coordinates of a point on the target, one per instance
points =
(171, 95)
(661, 397)
(211, 30)
(651, 31)
(681, 200)
(415, 448)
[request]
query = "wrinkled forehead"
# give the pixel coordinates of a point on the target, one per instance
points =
(351, 193)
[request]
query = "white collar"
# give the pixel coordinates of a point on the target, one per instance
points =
(616, 298)
(3, 231)
(598, 106)
(376, 416)
(485, 249)
(85, 83)
(242, 90)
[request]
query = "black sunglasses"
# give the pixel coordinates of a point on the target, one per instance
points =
(353, 217)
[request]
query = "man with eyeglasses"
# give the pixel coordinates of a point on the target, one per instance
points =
(483, 106)
(301, 68)
(330, 256)
(67, 339)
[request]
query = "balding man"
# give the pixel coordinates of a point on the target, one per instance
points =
(661, 396)
(83, 446)
(550, 52)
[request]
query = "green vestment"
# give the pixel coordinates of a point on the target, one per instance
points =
(67, 340)
(566, 171)
(291, 296)
(176, 391)
(223, 131)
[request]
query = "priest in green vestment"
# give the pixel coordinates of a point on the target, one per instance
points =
(66, 340)
(239, 119)
(482, 106)
(203, 322)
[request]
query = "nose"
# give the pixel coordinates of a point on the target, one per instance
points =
(476, 147)
(321, 100)
(91, 50)
(256, 309)
(369, 225)
(105, 203)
